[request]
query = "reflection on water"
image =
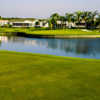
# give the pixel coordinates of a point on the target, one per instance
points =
(84, 48)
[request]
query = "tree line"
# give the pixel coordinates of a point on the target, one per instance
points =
(91, 19)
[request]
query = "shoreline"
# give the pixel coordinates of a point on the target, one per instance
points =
(47, 55)
(82, 36)
(50, 36)
(67, 37)
(63, 34)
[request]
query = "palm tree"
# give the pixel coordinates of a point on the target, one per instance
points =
(0, 18)
(53, 18)
(63, 21)
(70, 18)
(93, 19)
(50, 23)
(86, 17)
(78, 16)
(98, 20)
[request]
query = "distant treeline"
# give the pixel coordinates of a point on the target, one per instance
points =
(17, 19)
(89, 19)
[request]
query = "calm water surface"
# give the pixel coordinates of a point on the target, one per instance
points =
(83, 48)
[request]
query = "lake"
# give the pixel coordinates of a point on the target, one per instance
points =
(83, 48)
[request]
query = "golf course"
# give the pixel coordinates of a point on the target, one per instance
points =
(59, 33)
(50, 50)
(26, 76)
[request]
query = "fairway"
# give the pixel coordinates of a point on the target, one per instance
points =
(26, 76)
(41, 32)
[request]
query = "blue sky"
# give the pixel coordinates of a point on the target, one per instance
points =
(44, 8)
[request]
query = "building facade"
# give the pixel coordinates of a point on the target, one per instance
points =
(4, 22)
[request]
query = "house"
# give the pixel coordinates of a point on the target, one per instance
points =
(22, 24)
(4, 22)
(60, 24)
(71, 25)
(27, 23)
(44, 24)
(82, 24)
(65, 24)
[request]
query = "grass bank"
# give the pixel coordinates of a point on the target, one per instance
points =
(52, 33)
(43, 77)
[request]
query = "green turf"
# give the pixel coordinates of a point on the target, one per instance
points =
(43, 77)
(63, 32)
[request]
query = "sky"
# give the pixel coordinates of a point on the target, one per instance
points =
(44, 8)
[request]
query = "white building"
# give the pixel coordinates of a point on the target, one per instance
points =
(4, 22)
(46, 25)
(27, 23)
(59, 22)
(23, 24)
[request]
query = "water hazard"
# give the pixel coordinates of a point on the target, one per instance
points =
(83, 48)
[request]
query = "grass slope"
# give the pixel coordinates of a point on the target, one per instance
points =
(42, 77)
(64, 32)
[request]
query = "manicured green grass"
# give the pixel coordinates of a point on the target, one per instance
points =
(42, 77)
(63, 32)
